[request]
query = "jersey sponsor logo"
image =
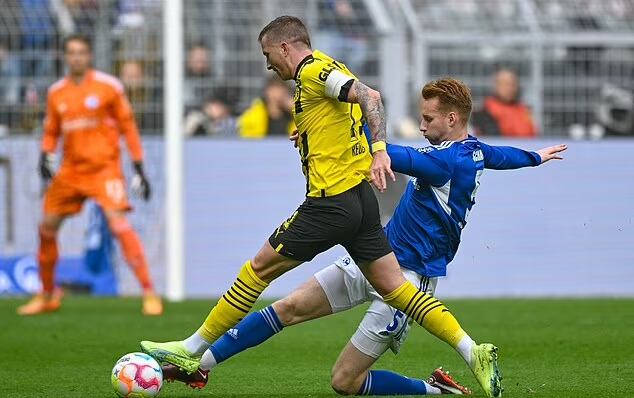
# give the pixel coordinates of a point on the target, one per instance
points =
(478, 156)
(79, 124)
(91, 102)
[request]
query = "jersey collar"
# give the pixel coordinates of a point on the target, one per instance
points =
(301, 63)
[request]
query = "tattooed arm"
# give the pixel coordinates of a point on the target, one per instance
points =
(372, 107)
(374, 113)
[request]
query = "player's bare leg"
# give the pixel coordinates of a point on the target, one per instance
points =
(386, 277)
(253, 278)
(350, 371)
(135, 257)
(351, 375)
(49, 299)
(305, 303)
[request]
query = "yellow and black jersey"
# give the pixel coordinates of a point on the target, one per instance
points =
(334, 151)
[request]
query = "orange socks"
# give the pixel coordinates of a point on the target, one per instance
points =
(47, 258)
(132, 251)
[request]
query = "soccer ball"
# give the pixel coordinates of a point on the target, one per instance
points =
(136, 375)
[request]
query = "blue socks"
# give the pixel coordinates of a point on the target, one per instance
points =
(255, 329)
(383, 382)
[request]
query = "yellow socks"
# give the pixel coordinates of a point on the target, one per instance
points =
(234, 304)
(428, 312)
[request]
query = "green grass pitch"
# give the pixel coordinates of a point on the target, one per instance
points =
(548, 348)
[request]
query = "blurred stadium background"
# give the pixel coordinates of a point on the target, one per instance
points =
(542, 232)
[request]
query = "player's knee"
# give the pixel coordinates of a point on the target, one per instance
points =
(268, 264)
(119, 225)
(286, 310)
(50, 224)
(48, 230)
(343, 382)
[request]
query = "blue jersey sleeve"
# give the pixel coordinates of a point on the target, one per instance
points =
(508, 157)
(431, 167)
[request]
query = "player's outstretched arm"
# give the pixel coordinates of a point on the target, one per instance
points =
(509, 158)
(374, 114)
(431, 167)
(551, 152)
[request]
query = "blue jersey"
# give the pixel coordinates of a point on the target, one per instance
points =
(425, 229)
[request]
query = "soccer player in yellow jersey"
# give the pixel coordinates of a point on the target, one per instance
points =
(331, 106)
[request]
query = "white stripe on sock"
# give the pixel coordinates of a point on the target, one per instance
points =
(269, 319)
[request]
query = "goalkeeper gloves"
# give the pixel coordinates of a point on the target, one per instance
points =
(140, 186)
(47, 166)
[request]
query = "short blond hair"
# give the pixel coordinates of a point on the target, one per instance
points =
(452, 94)
(286, 28)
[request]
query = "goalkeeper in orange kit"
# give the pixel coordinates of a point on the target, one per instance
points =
(88, 111)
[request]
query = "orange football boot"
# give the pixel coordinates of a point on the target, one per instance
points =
(42, 303)
(152, 304)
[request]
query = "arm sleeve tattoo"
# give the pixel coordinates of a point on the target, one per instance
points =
(372, 107)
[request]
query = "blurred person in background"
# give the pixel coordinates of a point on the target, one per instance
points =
(38, 38)
(133, 79)
(9, 85)
(214, 119)
(9, 75)
(141, 94)
(342, 32)
(503, 113)
(84, 14)
(89, 111)
(614, 112)
(197, 76)
(269, 115)
(38, 34)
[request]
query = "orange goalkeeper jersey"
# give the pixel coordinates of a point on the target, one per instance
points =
(90, 117)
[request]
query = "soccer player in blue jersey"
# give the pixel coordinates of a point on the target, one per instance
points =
(424, 233)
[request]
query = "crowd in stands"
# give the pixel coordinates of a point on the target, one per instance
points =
(127, 43)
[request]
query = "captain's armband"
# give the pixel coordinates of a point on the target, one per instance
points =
(338, 84)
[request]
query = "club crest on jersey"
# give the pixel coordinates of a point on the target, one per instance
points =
(91, 102)
(478, 156)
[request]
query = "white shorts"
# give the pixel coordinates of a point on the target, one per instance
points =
(382, 326)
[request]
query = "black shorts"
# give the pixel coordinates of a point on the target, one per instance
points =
(350, 219)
